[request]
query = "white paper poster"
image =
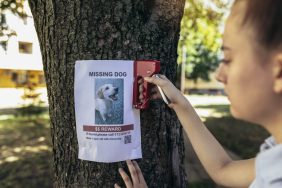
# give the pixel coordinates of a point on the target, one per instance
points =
(108, 127)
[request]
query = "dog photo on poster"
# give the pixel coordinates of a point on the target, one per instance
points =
(109, 97)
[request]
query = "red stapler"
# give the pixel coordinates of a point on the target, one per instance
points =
(143, 68)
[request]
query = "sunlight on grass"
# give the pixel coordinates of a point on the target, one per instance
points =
(209, 106)
(207, 100)
(32, 149)
(209, 112)
(14, 154)
(10, 159)
(204, 113)
(5, 117)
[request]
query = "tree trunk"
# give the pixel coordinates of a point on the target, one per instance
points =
(101, 29)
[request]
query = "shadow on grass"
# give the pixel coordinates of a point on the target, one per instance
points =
(25, 159)
(32, 170)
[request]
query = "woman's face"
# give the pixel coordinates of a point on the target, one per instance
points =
(246, 71)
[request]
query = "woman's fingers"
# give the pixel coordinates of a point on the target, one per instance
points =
(125, 178)
(140, 81)
(161, 76)
(158, 79)
(133, 172)
(138, 180)
(153, 80)
(139, 173)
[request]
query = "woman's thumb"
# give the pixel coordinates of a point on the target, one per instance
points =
(148, 79)
(154, 80)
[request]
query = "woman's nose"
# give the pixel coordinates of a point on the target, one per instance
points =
(220, 74)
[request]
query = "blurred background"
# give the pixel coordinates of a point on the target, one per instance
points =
(26, 147)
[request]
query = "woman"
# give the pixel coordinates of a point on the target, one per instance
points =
(251, 72)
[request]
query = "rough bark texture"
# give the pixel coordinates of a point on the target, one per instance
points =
(100, 29)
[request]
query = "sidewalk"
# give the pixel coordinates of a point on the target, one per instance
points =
(12, 97)
(206, 100)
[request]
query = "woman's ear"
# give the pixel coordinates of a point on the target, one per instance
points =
(278, 74)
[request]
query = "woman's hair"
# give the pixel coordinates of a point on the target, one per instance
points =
(266, 18)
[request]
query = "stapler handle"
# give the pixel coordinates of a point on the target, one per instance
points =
(143, 69)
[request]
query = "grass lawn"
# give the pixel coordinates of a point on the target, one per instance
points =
(25, 142)
(240, 137)
(243, 138)
(25, 159)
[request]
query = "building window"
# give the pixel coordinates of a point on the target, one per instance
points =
(3, 46)
(3, 20)
(25, 47)
(22, 78)
(14, 77)
(19, 77)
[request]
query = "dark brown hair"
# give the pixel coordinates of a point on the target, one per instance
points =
(266, 18)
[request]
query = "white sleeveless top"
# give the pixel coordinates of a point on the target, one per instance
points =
(268, 165)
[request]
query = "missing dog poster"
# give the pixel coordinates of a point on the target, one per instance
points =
(108, 127)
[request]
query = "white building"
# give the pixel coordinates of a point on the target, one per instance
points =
(20, 57)
(20, 61)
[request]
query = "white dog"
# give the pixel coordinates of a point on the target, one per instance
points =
(105, 96)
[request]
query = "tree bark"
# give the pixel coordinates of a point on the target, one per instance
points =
(101, 29)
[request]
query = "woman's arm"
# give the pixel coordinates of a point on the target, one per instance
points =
(218, 164)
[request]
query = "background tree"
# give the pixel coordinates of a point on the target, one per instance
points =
(16, 7)
(200, 35)
(99, 29)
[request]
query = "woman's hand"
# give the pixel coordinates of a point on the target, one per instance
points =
(138, 180)
(173, 94)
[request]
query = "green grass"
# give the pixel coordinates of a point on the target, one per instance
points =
(240, 137)
(25, 152)
(243, 138)
(25, 142)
